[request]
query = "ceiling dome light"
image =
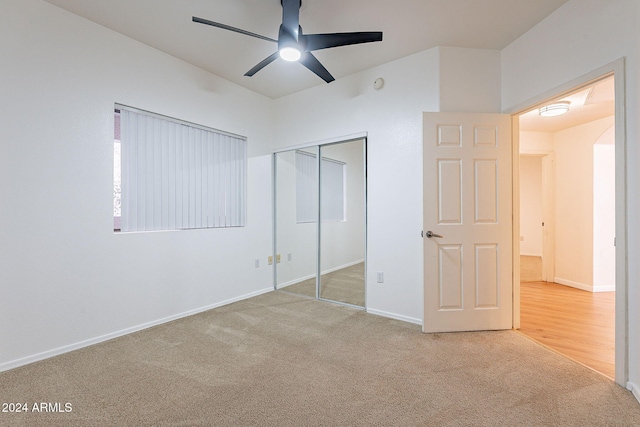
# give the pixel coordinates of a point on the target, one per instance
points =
(290, 54)
(555, 109)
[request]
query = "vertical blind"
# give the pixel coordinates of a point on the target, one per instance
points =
(333, 189)
(179, 176)
(306, 187)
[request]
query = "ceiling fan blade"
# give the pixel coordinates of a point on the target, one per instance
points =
(291, 16)
(262, 64)
(230, 28)
(312, 63)
(324, 41)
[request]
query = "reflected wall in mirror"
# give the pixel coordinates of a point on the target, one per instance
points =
(296, 205)
(342, 227)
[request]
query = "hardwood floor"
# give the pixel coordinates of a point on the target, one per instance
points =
(576, 323)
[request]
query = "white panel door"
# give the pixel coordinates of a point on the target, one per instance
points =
(467, 222)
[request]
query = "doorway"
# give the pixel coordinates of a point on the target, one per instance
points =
(568, 225)
(320, 221)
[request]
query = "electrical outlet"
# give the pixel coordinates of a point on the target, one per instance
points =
(270, 260)
(278, 259)
(288, 257)
(380, 277)
(257, 263)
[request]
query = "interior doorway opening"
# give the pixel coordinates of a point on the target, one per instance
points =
(567, 227)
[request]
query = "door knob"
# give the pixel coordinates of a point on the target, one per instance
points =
(431, 234)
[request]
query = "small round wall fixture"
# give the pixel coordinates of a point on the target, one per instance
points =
(555, 109)
(378, 83)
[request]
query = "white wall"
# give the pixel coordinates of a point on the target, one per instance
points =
(531, 205)
(66, 278)
(604, 212)
(469, 80)
(574, 203)
(535, 143)
(582, 36)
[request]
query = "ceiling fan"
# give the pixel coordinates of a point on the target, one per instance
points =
(293, 45)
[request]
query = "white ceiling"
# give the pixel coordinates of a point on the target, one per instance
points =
(409, 26)
(588, 104)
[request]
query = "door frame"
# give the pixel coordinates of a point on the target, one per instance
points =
(617, 70)
(548, 207)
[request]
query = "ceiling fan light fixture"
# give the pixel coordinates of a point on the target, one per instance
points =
(555, 109)
(290, 54)
(293, 46)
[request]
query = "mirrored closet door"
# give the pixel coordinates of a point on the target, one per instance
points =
(320, 222)
(342, 225)
(296, 221)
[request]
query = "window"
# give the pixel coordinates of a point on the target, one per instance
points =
(306, 187)
(333, 189)
(172, 175)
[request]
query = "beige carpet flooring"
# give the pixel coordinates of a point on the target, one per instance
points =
(530, 268)
(284, 360)
(344, 285)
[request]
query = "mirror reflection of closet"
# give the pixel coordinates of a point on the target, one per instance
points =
(340, 250)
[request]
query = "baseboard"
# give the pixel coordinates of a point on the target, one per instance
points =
(584, 287)
(573, 284)
(294, 281)
(86, 343)
(351, 264)
(634, 390)
(604, 288)
(311, 276)
(395, 316)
